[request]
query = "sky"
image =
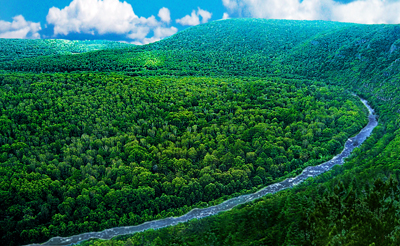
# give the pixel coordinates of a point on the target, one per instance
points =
(147, 21)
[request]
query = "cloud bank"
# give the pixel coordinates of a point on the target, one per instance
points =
(164, 15)
(109, 17)
(194, 18)
(19, 28)
(359, 11)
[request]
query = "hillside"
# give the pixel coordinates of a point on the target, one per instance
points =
(122, 136)
(14, 49)
(218, 48)
(329, 51)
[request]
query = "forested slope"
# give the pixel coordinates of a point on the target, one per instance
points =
(229, 47)
(135, 145)
(14, 49)
(354, 204)
(90, 151)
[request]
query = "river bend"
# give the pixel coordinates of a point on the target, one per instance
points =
(310, 171)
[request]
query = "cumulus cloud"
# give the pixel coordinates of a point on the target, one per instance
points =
(159, 33)
(369, 12)
(19, 28)
(107, 17)
(230, 4)
(225, 16)
(139, 33)
(205, 15)
(164, 15)
(189, 20)
(194, 18)
(358, 11)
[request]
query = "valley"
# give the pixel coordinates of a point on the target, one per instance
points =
(130, 134)
(227, 205)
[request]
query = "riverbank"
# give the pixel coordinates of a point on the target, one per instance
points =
(311, 171)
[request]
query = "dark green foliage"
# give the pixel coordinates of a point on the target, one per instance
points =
(346, 206)
(342, 216)
(229, 47)
(85, 151)
(355, 204)
(14, 49)
(89, 151)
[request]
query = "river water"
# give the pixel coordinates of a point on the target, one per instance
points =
(311, 171)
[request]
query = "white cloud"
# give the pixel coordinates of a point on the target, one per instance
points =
(159, 33)
(189, 20)
(225, 16)
(205, 15)
(359, 11)
(164, 15)
(369, 12)
(106, 16)
(230, 4)
(163, 32)
(194, 18)
(139, 32)
(19, 28)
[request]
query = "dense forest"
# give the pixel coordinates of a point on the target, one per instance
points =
(122, 136)
(353, 204)
(14, 49)
(95, 151)
(231, 47)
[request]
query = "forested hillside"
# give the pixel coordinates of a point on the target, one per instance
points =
(122, 136)
(14, 49)
(95, 151)
(229, 47)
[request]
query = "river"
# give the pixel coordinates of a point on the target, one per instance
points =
(311, 171)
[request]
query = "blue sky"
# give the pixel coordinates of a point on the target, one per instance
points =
(142, 22)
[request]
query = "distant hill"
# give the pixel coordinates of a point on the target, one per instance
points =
(242, 47)
(228, 46)
(340, 53)
(14, 49)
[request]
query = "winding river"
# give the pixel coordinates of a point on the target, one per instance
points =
(311, 171)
